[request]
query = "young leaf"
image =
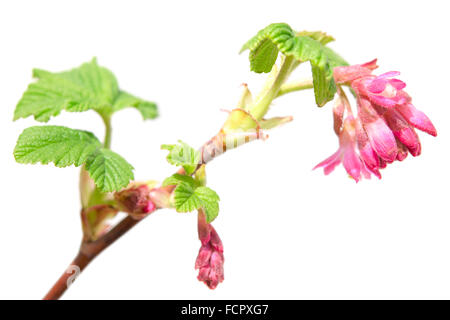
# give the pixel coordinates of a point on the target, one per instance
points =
(265, 45)
(210, 202)
(60, 145)
(86, 87)
(280, 37)
(188, 198)
(182, 155)
(147, 109)
(109, 170)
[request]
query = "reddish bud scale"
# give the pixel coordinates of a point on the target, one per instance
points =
(135, 201)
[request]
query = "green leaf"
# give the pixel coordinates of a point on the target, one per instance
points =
(187, 199)
(64, 147)
(147, 109)
(210, 202)
(60, 145)
(84, 88)
(109, 170)
(182, 155)
(263, 57)
(307, 47)
(265, 45)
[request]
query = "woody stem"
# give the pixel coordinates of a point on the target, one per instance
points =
(88, 251)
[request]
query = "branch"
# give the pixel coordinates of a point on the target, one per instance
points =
(88, 251)
(214, 147)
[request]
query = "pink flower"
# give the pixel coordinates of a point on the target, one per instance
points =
(210, 258)
(347, 153)
(383, 130)
(382, 90)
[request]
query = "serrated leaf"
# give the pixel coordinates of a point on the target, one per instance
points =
(182, 155)
(264, 45)
(89, 86)
(61, 145)
(147, 109)
(109, 170)
(263, 57)
(302, 48)
(188, 198)
(210, 202)
(86, 87)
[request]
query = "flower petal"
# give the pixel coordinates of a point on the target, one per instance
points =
(377, 85)
(330, 163)
(417, 119)
(403, 131)
(397, 84)
(366, 151)
(380, 136)
(389, 74)
(372, 65)
(203, 256)
(349, 73)
(402, 151)
(352, 163)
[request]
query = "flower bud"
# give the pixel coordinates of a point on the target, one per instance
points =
(135, 201)
(210, 258)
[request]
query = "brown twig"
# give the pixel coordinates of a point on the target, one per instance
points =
(88, 251)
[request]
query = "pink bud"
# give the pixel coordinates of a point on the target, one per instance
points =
(366, 151)
(350, 159)
(380, 135)
(403, 131)
(417, 118)
(402, 151)
(210, 258)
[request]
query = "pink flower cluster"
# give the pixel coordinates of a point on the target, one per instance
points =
(383, 130)
(210, 258)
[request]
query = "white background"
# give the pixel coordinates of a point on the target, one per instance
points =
(288, 231)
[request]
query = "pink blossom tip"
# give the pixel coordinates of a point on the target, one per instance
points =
(210, 259)
(383, 130)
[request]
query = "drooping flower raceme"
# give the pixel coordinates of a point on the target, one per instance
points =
(383, 130)
(210, 258)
